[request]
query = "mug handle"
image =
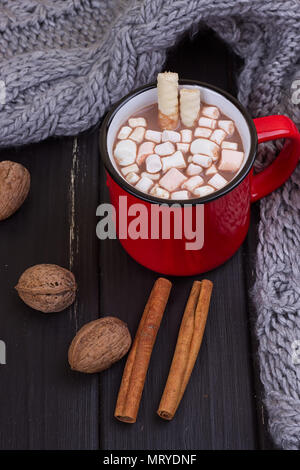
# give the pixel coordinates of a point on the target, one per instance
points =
(269, 179)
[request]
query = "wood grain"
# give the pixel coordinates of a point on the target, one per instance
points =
(218, 409)
(44, 405)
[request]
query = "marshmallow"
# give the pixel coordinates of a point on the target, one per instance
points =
(227, 126)
(131, 168)
(144, 184)
(167, 97)
(170, 136)
(154, 136)
(207, 122)
(211, 170)
(203, 191)
(180, 195)
(206, 147)
(202, 160)
(189, 105)
(138, 134)
(145, 149)
(217, 181)
(186, 135)
(157, 191)
(172, 180)
(125, 152)
(164, 149)
(132, 178)
(193, 183)
(193, 169)
(218, 136)
(183, 147)
(151, 176)
(229, 145)
(231, 160)
(174, 161)
(124, 132)
(202, 132)
(153, 163)
(211, 112)
(136, 122)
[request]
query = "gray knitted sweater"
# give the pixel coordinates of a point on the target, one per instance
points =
(63, 63)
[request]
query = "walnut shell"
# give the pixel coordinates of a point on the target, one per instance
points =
(47, 288)
(14, 187)
(99, 344)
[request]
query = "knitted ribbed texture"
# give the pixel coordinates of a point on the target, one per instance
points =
(65, 62)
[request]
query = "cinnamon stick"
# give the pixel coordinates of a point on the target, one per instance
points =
(187, 348)
(136, 367)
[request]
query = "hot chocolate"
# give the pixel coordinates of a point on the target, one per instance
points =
(178, 148)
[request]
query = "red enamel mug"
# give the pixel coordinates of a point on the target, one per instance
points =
(222, 217)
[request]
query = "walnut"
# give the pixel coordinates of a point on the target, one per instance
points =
(99, 344)
(14, 187)
(47, 288)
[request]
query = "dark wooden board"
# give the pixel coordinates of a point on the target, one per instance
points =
(43, 404)
(218, 409)
(46, 406)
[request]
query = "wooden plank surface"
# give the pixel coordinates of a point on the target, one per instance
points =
(46, 406)
(43, 404)
(218, 409)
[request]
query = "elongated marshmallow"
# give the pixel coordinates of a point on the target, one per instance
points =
(227, 126)
(231, 160)
(193, 169)
(202, 160)
(211, 111)
(189, 105)
(172, 180)
(144, 184)
(229, 145)
(186, 135)
(125, 131)
(154, 136)
(193, 183)
(218, 136)
(203, 191)
(125, 152)
(153, 163)
(207, 122)
(157, 191)
(167, 92)
(137, 122)
(184, 148)
(152, 176)
(205, 147)
(129, 169)
(138, 134)
(212, 170)
(217, 181)
(202, 132)
(174, 161)
(164, 149)
(180, 195)
(132, 178)
(170, 136)
(145, 149)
